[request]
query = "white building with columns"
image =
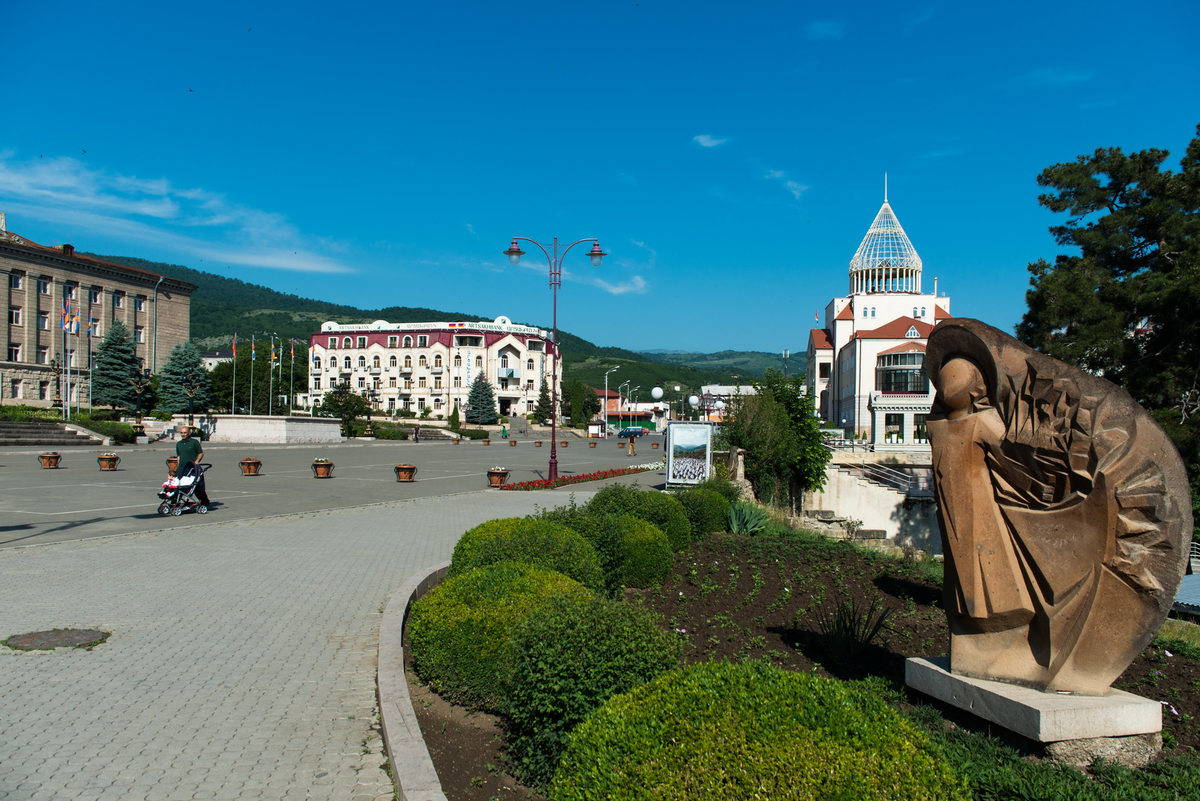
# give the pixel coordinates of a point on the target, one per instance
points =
(431, 365)
(866, 365)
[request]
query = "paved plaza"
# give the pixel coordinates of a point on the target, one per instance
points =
(243, 652)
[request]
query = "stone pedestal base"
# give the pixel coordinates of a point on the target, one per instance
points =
(1075, 729)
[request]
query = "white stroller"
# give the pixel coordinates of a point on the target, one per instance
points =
(178, 493)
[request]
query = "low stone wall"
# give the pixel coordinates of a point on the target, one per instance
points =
(264, 429)
(904, 519)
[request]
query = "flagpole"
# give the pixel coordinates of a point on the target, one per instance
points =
(292, 377)
(233, 397)
(90, 376)
(271, 378)
(252, 374)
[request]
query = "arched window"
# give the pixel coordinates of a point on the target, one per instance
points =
(864, 311)
(408, 342)
(333, 362)
(458, 361)
(392, 362)
(408, 361)
(375, 362)
(346, 363)
(317, 362)
(423, 362)
(346, 342)
(914, 311)
(872, 311)
(922, 311)
(529, 364)
(479, 361)
(437, 360)
(504, 360)
(362, 361)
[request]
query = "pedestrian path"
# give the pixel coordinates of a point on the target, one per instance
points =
(242, 657)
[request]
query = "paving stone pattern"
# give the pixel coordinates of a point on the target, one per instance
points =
(242, 659)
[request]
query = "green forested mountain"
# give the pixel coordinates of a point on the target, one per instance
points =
(752, 363)
(224, 306)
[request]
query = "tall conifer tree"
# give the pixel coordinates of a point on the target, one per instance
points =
(183, 364)
(481, 403)
(115, 363)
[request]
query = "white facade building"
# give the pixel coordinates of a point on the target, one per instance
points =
(418, 365)
(866, 369)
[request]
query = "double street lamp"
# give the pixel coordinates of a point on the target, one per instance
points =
(554, 257)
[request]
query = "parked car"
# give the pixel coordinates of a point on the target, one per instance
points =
(633, 431)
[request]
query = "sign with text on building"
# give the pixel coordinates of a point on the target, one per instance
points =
(689, 453)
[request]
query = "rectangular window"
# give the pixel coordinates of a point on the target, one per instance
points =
(420, 403)
(43, 390)
(70, 290)
(468, 342)
(362, 342)
(14, 354)
(43, 286)
(139, 303)
(14, 280)
(316, 383)
(406, 403)
(421, 381)
(823, 370)
(333, 342)
(392, 341)
(422, 341)
(408, 383)
(44, 321)
(14, 315)
(391, 404)
(15, 389)
(94, 296)
(437, 382)
(118, 300)
(458, 381)
(392, 381)
(95, 326)
(362, 383)
(43, 355)
(139, 333)
(529, 384)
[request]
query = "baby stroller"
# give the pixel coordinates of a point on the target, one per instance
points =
(179, 492)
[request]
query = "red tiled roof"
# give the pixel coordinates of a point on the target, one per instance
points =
(896, 329)
(820, 339)
(941, 314)
(846, 313)
(907, 347)
(612, 393)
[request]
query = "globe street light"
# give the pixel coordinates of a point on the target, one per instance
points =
(554, 258)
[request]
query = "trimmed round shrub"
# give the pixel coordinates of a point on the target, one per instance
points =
(604, 534)
(645, 553)
(749, 730)
(541, 543)
(654, 507)
(723, 487)
(706, 510)
(459, 632)
(569, 657)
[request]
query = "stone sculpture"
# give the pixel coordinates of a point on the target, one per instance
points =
(1064, 511)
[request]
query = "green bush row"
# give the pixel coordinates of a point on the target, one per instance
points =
(663, 511)
(750, 730)
(539, 543)
(118, 432)
(474, 433)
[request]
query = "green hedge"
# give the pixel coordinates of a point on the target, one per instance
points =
(392, 432)
(722, 486)
(118, 432)
(654, 507)
(602, 531)
(707, 511)
(459, 632)
(645, 553)
(540, 543)
(569, 657)
(749, 730)
(474, 433)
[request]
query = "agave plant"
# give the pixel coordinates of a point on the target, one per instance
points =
(747, 518)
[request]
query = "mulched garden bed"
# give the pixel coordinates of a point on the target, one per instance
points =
(736, 597)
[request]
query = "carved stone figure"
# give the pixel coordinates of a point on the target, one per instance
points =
(1064, 509)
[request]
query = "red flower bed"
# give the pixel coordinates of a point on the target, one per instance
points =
(561, 481)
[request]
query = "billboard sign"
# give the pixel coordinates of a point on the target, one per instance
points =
(689, 453)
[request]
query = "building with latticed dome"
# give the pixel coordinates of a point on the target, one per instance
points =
(866, 365)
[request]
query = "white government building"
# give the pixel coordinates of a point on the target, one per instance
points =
(866, 366)
(419, 365)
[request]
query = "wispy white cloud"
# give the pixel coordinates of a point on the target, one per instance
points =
(795, 187)
(1054, 77)
(653, 253)
(191, 222)
(635, 285)
(470, 229)
(824, 29)
(704, 140)
(915, 18)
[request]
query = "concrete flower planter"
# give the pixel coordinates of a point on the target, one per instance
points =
(172, 466)
(591, 444)
(496, 478)
(322, 469)
(537, 444)
(49, 461)
(108, 462)
(406, 473)
(512, 443)
(250, 467)
(562, 443)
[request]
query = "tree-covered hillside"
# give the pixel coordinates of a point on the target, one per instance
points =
(739, 362)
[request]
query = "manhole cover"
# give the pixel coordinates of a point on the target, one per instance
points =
(58, 638)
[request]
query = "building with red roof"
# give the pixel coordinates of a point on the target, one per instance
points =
(866, 370)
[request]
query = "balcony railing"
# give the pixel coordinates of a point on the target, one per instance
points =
(508, 372)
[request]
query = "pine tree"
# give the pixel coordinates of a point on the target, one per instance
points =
(481, 403)
(116, 362)
(184, 366)
(455, 420)
(544, 409)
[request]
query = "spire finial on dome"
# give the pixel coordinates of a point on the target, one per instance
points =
(885, 187)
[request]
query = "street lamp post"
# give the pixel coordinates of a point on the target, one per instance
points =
(620, 406)
(554, 258)
(140, 381)
(604, 430)
(191, 385)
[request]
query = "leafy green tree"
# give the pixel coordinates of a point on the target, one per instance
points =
(544, 409)
(481, 403)
(342, 402)
(184, 368)
(115, 363)
(582, 402)
(1124, 303)
(455, 421)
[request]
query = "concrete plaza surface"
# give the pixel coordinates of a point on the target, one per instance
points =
(242, 657)
(78, 501)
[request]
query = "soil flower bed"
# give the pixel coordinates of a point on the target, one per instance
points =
(580, 478)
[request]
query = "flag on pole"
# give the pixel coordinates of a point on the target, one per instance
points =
(75, 323)
(90, 324)
(65, 317)
(293, 349)
(235, 346)
(252, 349)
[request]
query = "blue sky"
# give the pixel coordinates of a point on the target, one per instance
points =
(729, 157)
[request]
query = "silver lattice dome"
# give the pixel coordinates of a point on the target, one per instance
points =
(886, 261)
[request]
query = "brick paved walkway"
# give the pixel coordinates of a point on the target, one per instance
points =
(242, 660)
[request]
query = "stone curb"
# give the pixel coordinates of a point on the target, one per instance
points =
(412, 768)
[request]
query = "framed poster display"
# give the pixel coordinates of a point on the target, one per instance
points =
(689, 453)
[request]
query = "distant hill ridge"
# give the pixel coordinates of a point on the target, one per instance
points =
(223, 306)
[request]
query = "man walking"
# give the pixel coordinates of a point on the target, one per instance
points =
(633, 442)
(190, 451)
